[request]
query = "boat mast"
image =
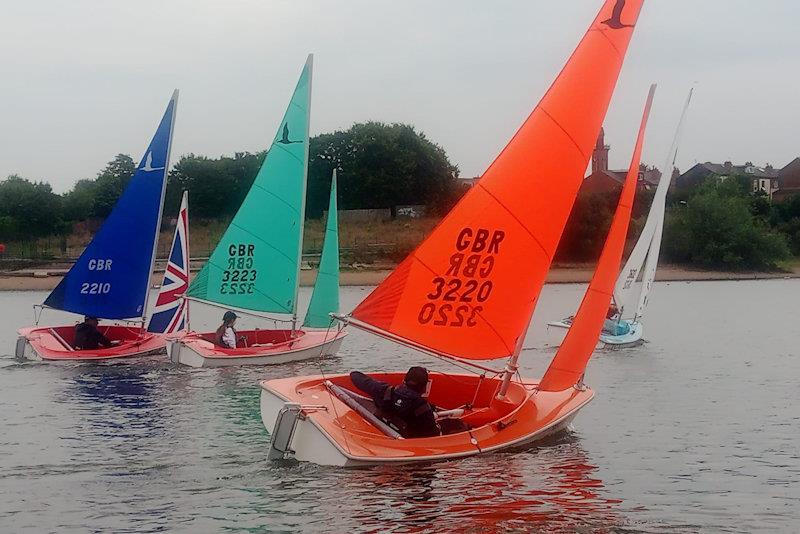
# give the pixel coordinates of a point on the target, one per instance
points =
(174, 101)
(185, 202)
(511, 365)
(302, 215)
(654, 248)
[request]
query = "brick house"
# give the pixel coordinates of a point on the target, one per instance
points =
(604, 180)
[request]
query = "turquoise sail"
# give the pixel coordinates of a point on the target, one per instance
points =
(325, 296)
(256, 264)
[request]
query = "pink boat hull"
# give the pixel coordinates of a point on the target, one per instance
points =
(54, 343)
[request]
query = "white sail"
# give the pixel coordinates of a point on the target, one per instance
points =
(630, 294)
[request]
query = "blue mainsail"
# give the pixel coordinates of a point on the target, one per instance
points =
(111, 279)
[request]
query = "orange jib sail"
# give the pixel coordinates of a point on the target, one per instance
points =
(570, 361)
(469, 289)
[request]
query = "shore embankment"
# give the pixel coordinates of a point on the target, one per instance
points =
(47, 277)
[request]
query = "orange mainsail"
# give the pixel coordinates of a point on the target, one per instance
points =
(469, 289)
(570, 361)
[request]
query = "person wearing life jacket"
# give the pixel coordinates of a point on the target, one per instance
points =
(404, 406)
(226, 335)
(88, 337)
(613, 324)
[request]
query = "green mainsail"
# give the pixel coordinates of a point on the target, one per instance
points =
(325, 297)
(256, 263)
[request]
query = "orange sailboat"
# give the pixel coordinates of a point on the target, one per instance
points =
(469, 290)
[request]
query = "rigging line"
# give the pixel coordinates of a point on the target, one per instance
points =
(327, 390)
(242, 310)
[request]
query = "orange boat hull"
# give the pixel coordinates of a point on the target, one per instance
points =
(260, 347)
(329, 432)
(53, 343)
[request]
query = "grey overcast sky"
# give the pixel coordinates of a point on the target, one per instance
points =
(86, 79)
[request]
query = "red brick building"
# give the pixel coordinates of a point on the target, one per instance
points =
(788, 180)
(603, 180)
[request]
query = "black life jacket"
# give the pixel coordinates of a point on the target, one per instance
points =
(403, 409)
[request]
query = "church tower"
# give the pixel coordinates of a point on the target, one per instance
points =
(600, 153)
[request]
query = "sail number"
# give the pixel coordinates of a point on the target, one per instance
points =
(456, 299)
(239, 277)
(95, 288)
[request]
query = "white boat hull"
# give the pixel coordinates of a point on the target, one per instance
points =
(185, 354)
(557, 331)
(310, 443)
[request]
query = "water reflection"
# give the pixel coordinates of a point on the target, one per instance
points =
(550, 488)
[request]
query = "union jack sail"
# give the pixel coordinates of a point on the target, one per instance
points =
(170, 314)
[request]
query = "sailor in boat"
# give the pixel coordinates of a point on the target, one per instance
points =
(226, 335)
(405, 406)
(613, 324)
(88, 337)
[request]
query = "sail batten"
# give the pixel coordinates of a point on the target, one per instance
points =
(570, 361)
(471, 287)
(256, 264)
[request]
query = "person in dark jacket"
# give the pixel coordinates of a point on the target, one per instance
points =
(88, 337)
(405, 405)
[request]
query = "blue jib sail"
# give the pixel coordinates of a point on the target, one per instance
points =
(111, 279)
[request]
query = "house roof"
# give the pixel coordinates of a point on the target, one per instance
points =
(720, 169)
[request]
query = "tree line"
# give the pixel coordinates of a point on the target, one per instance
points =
(379, 166)
(716, 224)
(719, 224)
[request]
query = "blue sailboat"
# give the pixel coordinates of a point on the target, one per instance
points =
(111, 278)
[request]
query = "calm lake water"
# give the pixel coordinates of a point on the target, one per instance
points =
(697, 430)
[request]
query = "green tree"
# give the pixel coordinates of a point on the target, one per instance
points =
(110, 183)
(216, 187)
(717, 228)
(587, 226)
(79, 201)
(380, 166)
(28, 209)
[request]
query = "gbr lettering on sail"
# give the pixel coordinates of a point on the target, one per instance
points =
(457, 297)
(97, 288)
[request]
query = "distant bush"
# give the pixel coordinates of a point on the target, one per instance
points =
(717, 228)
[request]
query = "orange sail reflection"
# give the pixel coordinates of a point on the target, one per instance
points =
(549, 489)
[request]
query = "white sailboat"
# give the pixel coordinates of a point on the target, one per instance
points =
(635, 281)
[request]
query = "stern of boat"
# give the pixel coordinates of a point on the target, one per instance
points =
(633, 338)
(24, 350)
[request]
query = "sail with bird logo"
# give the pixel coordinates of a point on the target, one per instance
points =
(111, 278)
(255, 266)
(469, 290)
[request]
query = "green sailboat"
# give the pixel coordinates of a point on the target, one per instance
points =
(255, 268)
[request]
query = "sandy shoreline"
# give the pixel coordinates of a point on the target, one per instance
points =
(41, 281)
